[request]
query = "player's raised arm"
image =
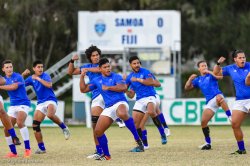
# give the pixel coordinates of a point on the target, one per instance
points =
(217, 69)
(189, 85)
(84, 88)
(71, 68)
(25, 73)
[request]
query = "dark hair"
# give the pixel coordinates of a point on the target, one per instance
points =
(202, 61)
(103, 61)
(90, 50)
(236, 52)
(6, 62)
(37, 62)
(132, 58)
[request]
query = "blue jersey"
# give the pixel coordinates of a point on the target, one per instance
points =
(140, 89)
(208, 85)
(91, 76)
(42, 92)
(238, 76)
(18, 96)
(110, 97)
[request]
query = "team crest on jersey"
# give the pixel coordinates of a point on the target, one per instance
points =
(235, 71)
(100, 27)
(141, 76)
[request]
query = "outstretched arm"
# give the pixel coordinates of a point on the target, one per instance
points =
(189, 85)
(116, 88)
(9, 87)
(157, 83)
(147, 82)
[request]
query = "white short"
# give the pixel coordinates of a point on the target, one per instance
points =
(13, 110)
(111, 111)
(98, 102)
(1, 99)
(141, 105)
(43, 107)
(242, 105)
(212, 104)
(158, 100)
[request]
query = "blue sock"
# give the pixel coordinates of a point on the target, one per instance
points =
(144, 137)
(118, 120)
(228, 113)
(98, 149)
(162, 120)
(13, 148)
(241, 145)
(208, 140)
(41, 146)
(62, 125)
(27, 144)
(103, 141)
(161, 130)
(131, 126)
(12, 132)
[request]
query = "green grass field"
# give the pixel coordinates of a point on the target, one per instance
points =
(180, 150)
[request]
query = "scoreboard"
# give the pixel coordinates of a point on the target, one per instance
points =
(111, 30)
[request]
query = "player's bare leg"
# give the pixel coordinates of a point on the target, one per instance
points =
(51, 114)
(206, 117)
(237, 119)
(38, 118)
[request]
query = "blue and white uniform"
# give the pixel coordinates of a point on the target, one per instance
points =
(144, 94)
(45, 95)
(238, 75)
(112, 99)
(97, 99)
(209, 87)
(19, 100)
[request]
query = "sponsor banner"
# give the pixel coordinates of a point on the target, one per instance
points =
(46, 122)
(189, 112)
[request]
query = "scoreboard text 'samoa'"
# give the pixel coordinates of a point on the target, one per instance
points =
(111, 30)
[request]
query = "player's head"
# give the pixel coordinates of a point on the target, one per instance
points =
(38, 67)
(93, 54)
(7, 67)
(202, 66)
(239, 57)
(105, 67)
(135, 63)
